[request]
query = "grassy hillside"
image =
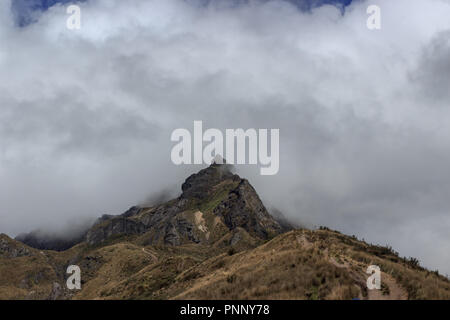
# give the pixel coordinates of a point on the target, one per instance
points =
(300, 264)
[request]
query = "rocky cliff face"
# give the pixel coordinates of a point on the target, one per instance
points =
(214, 201)
(201, 184)
(113, 226)
(12, 249)
(243, 208)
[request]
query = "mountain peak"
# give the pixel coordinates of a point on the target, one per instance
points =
(199, 185)
(214, 202)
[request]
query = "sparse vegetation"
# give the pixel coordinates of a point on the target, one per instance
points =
(298, 265)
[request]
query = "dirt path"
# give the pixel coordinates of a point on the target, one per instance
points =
(153, 256)
(395, 291)
(390, 289)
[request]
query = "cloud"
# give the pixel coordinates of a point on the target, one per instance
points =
(434, 67)
(86, 116)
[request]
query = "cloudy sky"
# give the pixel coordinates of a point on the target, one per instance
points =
(364, 116)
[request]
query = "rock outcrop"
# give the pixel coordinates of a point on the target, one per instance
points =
(224, 200)
(10, 248)
(113, 226)
(200, 185)
(243, 208)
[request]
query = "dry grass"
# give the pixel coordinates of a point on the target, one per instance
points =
(300, 264)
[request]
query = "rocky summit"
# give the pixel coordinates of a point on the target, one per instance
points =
(216, 240)
(214, 202)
